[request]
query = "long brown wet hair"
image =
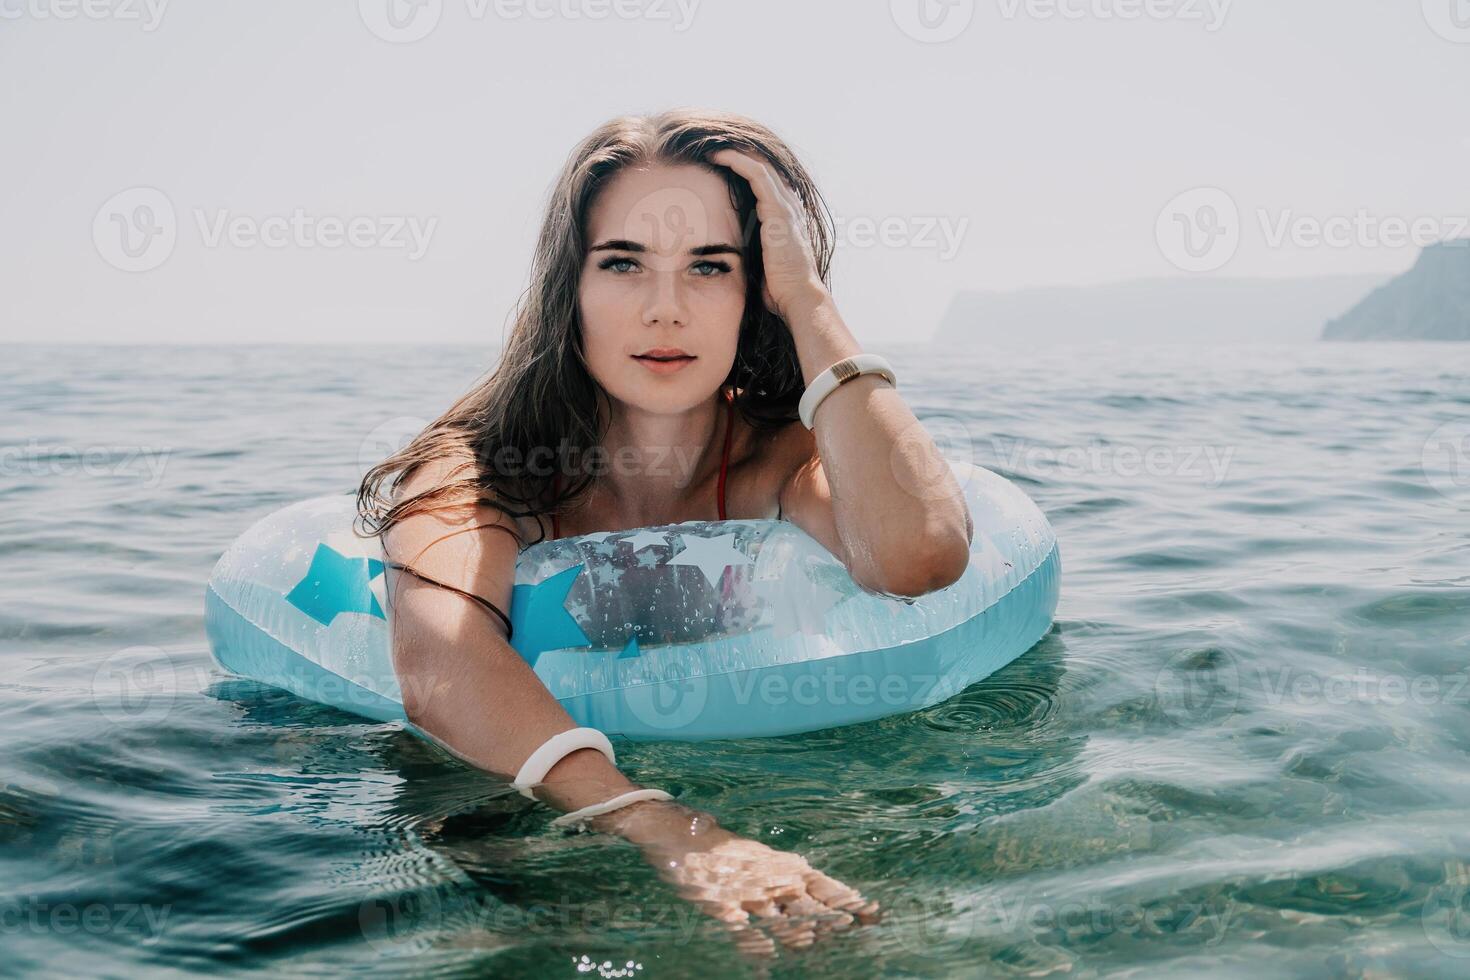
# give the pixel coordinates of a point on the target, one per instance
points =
(541, 393)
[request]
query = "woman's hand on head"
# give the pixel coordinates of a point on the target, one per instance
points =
(791, 276)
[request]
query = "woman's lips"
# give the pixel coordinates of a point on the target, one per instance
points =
(664, 365)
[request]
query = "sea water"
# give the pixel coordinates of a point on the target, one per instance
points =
(1243, 750)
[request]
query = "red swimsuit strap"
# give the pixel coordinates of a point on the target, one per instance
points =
(724, 465)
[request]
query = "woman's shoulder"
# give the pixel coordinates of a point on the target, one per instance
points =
(453, 499)
(455, 543)
(451, 477)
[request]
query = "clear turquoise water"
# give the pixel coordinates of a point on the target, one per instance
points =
(1244, 750)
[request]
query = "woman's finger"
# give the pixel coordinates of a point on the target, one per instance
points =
(796, 920)
(808, 908)
(831, 891)
(842, 897)
(750, 941)
(828, 919)
(769, 201)
(795, 933)
(792, 933)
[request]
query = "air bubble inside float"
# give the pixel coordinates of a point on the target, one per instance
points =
(690, 631)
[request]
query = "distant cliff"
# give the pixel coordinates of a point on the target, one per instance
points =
(1182, 310)
(1429, 302)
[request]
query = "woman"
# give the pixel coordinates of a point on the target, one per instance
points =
(677, 313)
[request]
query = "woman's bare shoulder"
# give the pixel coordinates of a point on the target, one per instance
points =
(453, 500)
(438, 474)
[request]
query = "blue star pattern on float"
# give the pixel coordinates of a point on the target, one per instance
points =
(336, 584)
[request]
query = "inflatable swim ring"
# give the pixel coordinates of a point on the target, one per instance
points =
(698, 630)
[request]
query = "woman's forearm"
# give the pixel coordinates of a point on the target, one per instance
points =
(580, 779)
(900, 515)
(490, 710)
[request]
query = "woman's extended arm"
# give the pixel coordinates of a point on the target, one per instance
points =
(469, 691)
(463, 684)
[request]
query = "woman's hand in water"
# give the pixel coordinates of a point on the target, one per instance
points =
(752, 888)
(791, 277)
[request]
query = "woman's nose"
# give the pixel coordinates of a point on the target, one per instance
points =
(665, 301)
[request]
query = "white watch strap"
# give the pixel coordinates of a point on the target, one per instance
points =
(540, 762)
(844, 370)
(608, 806)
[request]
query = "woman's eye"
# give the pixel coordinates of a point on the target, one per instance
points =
(708, 268)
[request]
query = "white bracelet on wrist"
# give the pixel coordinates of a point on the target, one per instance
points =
(553, 750)
(839, 374)
(556, 748)
(608, 806)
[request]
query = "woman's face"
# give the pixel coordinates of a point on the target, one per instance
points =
(664, 269)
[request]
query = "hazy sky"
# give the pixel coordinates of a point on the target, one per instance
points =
(395, 156)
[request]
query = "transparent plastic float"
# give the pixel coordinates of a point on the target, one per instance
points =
(697, 630)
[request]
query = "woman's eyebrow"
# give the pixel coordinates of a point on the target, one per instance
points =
(618, 245)
(624, 245)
